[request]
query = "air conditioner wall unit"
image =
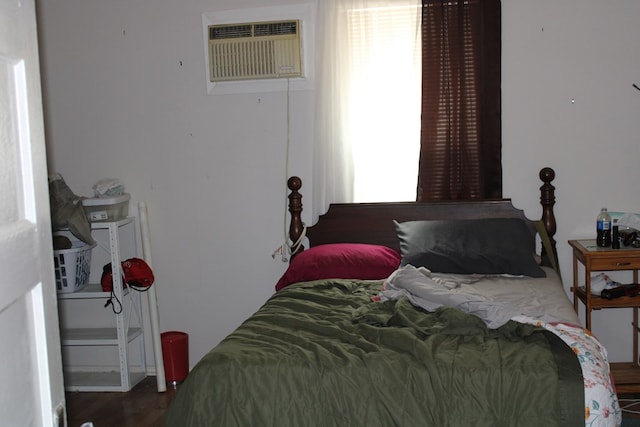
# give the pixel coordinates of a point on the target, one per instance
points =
(255, 50)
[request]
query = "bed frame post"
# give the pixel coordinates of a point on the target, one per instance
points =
(295, 209)
(548, 200)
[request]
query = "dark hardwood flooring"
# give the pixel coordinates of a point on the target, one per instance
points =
(143, 406)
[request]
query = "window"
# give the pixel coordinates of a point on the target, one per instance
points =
(384, 116)
(384, 102)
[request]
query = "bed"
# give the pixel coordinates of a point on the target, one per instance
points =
(410, 314)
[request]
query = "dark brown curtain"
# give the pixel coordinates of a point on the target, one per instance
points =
(460, 155)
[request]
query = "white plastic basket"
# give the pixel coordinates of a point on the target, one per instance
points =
(72, 267)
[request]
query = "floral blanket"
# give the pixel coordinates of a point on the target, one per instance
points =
(601, 402)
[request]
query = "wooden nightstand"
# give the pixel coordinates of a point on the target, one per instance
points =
(626, 375)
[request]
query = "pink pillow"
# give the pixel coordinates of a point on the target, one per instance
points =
(341, 261)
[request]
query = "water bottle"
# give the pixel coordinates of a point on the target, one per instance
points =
(603, 227)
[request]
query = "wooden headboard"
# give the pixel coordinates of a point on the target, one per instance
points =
(373, 222)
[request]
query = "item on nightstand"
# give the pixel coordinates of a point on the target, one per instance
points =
(630, 238)
(601, 282)
(626, 219)
(615, 238)
(603, 228)
(620, 291)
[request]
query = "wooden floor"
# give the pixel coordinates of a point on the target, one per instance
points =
(143, 406)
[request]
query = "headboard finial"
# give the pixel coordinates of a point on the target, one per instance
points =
(547, 175)
(547, 200)
(294, 183)
(295, 209)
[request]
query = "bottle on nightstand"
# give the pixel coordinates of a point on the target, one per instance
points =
(603, 227)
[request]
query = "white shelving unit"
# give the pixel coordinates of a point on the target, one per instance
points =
(125, 330)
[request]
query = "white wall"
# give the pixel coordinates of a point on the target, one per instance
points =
(125, 97)
(568, 102)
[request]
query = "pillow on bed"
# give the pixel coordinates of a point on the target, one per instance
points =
(341, 261)
(483, 246)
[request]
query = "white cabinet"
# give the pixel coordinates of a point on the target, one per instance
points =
(109, 356)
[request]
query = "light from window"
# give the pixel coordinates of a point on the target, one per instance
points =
(384, 102)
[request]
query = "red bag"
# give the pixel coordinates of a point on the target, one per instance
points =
(137, 274)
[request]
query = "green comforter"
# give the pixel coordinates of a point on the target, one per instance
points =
(324, 354)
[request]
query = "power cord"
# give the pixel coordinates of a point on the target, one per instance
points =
(110, 302)
(630, 403)
(285, 249)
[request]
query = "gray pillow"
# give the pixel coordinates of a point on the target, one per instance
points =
(483, 246)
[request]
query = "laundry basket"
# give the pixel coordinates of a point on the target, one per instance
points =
(72, 267)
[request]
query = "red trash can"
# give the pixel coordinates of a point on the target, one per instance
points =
(175, 353)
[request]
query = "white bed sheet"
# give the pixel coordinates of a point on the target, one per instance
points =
(495, 299)
(545, 294)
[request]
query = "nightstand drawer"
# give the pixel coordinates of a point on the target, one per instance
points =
(603, 263)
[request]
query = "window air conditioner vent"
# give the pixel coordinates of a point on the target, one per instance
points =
(259, 50)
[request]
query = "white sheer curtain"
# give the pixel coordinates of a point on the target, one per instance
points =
(367, 121)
